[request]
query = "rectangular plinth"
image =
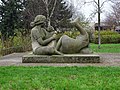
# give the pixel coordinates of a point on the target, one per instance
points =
(67, 58)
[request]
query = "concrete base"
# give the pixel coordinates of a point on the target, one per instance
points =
(67, 58)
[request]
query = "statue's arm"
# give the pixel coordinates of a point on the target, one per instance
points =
(45, 42)
(36, 36)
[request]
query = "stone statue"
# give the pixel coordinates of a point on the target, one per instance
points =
(43, 39)
(46, 42)
(68, 45)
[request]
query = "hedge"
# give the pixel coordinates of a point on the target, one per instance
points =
(16, 49)
(106, 33)
(107, 37)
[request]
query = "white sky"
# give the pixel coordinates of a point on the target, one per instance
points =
(88, 8)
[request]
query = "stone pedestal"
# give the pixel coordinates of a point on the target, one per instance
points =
(67, 58)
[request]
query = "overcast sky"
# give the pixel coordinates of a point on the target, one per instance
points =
(88, 8)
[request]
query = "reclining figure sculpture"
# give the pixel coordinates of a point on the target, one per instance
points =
(68, 45)
(44, 39)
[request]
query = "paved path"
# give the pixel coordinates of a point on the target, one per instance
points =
(15, 59)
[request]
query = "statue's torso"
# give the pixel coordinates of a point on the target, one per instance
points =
(36, 33)
(70, 45)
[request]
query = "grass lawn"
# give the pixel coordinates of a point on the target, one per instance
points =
(59, 78)
(106, 48)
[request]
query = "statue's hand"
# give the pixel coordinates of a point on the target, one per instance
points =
(57, 36)
(50, 29)
(54, 36)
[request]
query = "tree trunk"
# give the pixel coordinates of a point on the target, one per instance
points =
(2, 41)
(99, 37)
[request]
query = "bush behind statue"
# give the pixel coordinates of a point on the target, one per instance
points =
(107, 37)
(19, 44)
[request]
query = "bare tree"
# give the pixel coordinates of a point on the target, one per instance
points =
(110, 20)
(35, 7)
(113, 17)
(98, 10)
(116, 12)
(54, 10)
(76, 6)
(47, 6)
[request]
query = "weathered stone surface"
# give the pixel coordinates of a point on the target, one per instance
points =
(67, 58)
(46, 41)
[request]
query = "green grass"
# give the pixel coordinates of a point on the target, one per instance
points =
(59, 78)
(106, 48)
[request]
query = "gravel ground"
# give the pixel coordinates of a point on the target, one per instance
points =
(15, 59)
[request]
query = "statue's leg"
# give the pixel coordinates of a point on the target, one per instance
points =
(46, 50)
(80, 29)
(59, 43)
(76, 23)
(58, 53)
(53, 44)
(86, 50)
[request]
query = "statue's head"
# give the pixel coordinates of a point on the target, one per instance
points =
(39, 19)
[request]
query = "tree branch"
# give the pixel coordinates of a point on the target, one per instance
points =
(92, 15)
(95, 2)
(103, 3)
(49, 2)
(55, 2)
(44, 1)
